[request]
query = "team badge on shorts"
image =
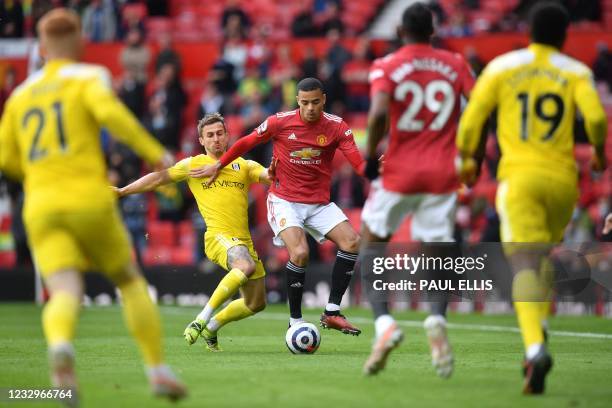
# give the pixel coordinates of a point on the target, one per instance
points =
(321, 140)
(283, 221)
(236, 166)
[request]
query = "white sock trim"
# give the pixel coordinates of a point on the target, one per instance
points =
(533, 350)
(205, 314)
(332, 307)
(382, 323)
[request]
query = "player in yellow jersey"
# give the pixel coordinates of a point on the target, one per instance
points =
(224, 206)
(50, 139)
(536, 91)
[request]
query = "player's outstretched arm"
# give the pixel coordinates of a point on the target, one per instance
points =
(111, 114)
(146, 183)
(10, 158)
(239, 148)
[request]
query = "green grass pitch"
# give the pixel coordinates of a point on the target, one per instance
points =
(256, 370)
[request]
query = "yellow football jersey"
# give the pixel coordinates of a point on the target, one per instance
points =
(536, 91)
(224, 205)
(50, 137)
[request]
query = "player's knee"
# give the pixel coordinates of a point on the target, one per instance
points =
(351, 243)
(247, 266)
(299, 256)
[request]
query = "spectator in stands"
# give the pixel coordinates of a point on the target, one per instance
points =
(166, 108)
(347, 189)
(336, 58)
(235, 50)
(602, 67)
(157, 8)
(135, 56)
(259, 50)
(211, 101)
(458, 26)
(131, 19)
(11, 19)
(310, 63)
(158, 123)
(134, 211)
(355, 75)
(332, 20)
(167, 54)
(132, 93)
(283, 75)
(235, 18)
(471, 56)
(99, 21)
(253, 92)
(8, 84)
(222, 75)
(170, 202)
(303, 23)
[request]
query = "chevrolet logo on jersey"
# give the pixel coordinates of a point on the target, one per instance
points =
(306, 153)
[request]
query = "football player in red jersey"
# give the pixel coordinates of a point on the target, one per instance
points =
(417, 92)
(305, 141)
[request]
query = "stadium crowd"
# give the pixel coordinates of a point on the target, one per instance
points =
(255, 77)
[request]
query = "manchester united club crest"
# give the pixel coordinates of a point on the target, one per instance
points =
(321, 140)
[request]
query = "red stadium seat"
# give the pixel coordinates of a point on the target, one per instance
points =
(181, 256)
(186, 234)
(161, 234)
(8, 259)
(157, 256)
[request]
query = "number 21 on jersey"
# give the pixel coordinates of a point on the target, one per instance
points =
(36, 119)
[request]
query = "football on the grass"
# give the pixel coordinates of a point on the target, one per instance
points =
(303, 338)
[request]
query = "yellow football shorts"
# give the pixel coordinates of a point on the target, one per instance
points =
(535, 207)
(217, 244)
(88, 239)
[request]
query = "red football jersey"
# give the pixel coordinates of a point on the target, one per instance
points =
(426, 87)
(305, 152)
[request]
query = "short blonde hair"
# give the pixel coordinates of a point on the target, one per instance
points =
(59, 23)
(209, 119)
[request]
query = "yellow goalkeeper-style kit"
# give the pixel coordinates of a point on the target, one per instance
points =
(50, 139)
(224, 205)
(536, 91)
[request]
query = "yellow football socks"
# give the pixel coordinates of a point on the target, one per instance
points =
(60, 317)
(227, 288)
(528, 296)
(142, 318)
(236, 310)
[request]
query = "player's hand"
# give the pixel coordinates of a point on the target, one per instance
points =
(272, 169)
(117, 190)
(598, 162)
(371, 168)
(211, 170)
(467, 169)
(607, 224)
